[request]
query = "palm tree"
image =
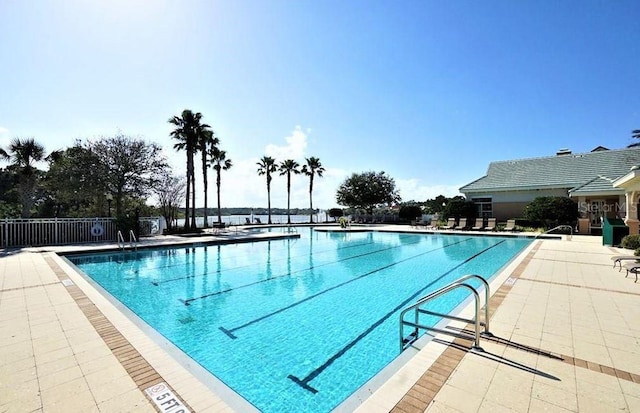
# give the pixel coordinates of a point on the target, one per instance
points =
(23, 153)
(635, 134)
(287, 167)
(313, 167)
(218, 160)
(267, 166)
(187, 131)
(206, 142)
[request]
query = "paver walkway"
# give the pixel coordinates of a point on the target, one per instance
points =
(566, 326)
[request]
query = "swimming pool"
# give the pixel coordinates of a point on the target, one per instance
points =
(294, 324)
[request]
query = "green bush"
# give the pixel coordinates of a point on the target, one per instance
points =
(410, 212)
(636, 252)
(631, 242)
(551, 211)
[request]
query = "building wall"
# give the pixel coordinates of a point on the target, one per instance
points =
(510, 204)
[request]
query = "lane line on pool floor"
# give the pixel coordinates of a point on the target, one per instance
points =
(138, 368)
(189, 300)
(229, 331)
(304, 382)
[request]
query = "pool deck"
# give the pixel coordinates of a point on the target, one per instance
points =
(566, 329)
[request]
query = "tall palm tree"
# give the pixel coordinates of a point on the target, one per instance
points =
(287, 167)
(206, 142)
(23, 153)
(635, 134)
(313, 167)
(218, 160)
(188, 128)
(267, 166)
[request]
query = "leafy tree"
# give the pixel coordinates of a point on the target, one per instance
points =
(409, 212)
(335, 213)
(367, 190)
(171, 192)
(9, 205)
(267, 166)
(436, 205)
(132, 167)
(218, 160)
(75, 182)
(551, 211)
(22, 154)
(287, 167)
(207, 142)
(458, 207)
(313, 167)
(188, 129)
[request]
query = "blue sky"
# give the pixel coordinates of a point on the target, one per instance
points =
(428, 91)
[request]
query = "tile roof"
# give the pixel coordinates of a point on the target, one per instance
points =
(592, 171)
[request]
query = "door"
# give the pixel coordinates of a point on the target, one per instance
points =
(596, 212)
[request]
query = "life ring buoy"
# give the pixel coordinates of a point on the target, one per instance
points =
(97, 230)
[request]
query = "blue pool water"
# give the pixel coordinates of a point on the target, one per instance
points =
(294, 325)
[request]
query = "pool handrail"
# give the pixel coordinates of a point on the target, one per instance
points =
(404, 343)
(133, 241)
(558, 227)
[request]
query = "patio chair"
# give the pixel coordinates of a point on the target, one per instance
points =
(632, 267)
(491, 224)
(479, 224)
(257, 220)
(617, 259)
(462, 224)
(247, 221)
(511, 225)
(451, 224)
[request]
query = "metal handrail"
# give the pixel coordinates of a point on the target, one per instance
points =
(454, 285)
(120, 239)
(133, 240)
(558, 227)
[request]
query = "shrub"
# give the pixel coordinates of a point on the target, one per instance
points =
(409, 212)
(335, 213)
(631, 242)
(551, 211)
(460, 208)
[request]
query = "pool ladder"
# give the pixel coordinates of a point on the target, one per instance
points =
(133, 241)
(417, 308)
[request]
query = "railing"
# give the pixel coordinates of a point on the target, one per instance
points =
(559, 227)
(459, 283)
(55, 231)
(133, 241)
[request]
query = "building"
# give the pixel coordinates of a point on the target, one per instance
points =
(604, 183)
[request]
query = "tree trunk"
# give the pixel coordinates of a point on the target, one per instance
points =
(311, 200)
(289, 198)
(205, 183)
(187, 198)
(218, 186)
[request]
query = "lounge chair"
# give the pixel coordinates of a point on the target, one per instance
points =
(257, 220)
(479, 224)
(247, 221)
(632, 267)
(617, 259)
(491, 224)
(451, 224)
(462, 224)
(433, 224)
(511, 225)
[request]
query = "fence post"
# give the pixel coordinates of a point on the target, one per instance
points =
(6, 233)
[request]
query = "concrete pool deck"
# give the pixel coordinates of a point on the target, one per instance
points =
(566, 327)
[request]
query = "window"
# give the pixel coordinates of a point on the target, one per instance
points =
(484, 206)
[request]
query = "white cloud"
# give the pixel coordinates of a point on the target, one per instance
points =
(243, 187)
(294, 149)
(414, 189)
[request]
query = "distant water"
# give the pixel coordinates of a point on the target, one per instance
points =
(275, 219)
